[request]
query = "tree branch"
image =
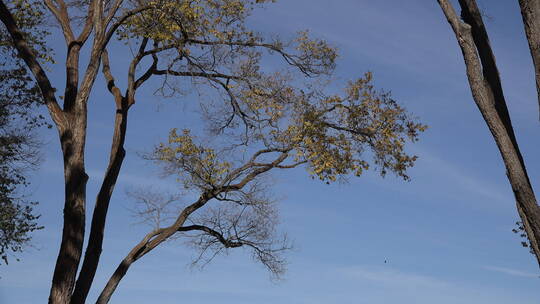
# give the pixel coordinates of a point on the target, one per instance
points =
(195, 74)
(227, 243)
(149, 242)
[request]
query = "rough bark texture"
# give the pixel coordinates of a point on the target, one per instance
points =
(530, 11)
(95, 242)
(71, 123)
(117, 154)
(487, 92)
(68, 259)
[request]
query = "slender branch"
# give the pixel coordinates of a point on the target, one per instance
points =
(227, 243)
(112, 29)
(149, 72)
(196, 74)
(88, 25)
(149, 242)
(112, 11)
(360, 132)
(263, 168)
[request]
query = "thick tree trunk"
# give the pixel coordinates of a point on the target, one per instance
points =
(71, 124)
(73, 142)
(530, 11)
(487, 92)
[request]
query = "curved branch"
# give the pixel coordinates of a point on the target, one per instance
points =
(227, 243)
(130, 91)
(120, 21)
(149, 72)
(147, 244)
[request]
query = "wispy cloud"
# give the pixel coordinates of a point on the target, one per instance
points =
(461, 178)
(394, 277)
(512, 272)
(404, 286)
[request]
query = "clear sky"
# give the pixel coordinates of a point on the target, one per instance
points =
(446, 235)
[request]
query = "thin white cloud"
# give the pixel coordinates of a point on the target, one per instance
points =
(394, 277)
(512, 272)
(393, 284)
(461, 178)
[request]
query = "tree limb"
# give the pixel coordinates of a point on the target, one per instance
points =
(227, 243)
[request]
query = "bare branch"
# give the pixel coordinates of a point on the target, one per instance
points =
(217, 235)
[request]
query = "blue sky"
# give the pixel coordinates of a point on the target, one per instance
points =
(446, 235)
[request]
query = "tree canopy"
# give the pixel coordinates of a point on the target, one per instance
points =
(259, 117)
(19, 117)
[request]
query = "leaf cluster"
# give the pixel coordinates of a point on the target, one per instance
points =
(20, 99)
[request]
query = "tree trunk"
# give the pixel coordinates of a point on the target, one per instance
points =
(530, 11)
(73, 141)
(487, 92)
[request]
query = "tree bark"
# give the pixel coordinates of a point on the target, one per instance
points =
(72, 130)
(71, 122)
(117, 155)
(73, 142)
(487, 92)
(530, 12)
(99, 217)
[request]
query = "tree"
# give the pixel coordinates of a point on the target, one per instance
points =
(19, 99)
(487, 92)
(530, 11)
(271, 116)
